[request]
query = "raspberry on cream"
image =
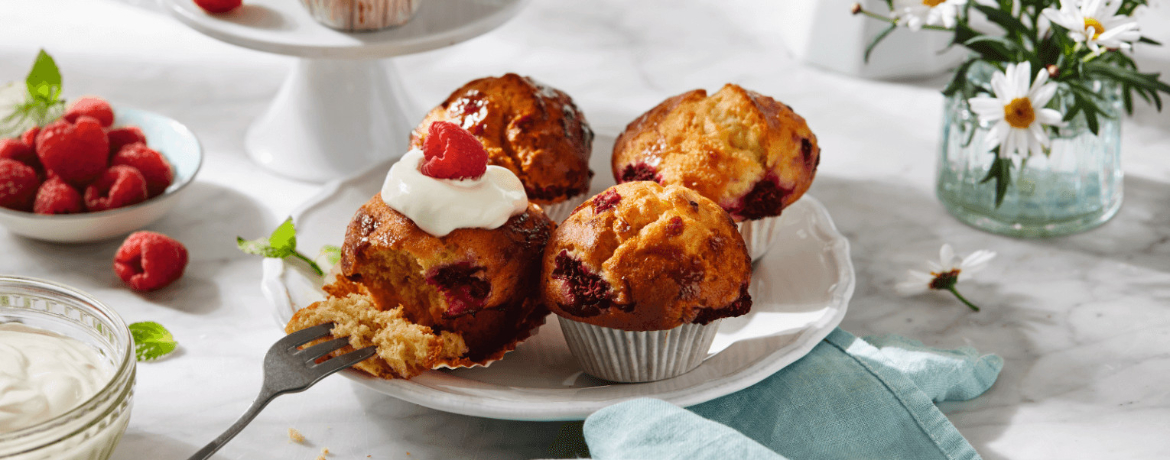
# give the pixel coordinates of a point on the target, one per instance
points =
(439, 206)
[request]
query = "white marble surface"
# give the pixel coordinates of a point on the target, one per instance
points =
(1083, 322)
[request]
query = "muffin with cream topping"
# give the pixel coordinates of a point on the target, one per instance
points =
(532, 129)
(448, 255)
(745, 151)
(639, 277)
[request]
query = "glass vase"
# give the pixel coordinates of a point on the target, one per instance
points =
(1075, 187)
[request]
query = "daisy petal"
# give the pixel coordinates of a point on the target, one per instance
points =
(946, 256)
(976, 261)
(1041, 95)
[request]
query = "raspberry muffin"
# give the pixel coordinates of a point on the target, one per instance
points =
(531, 129)
(745, 151)
(448, 256)
(647, 269)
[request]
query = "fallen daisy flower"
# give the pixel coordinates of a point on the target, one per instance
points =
(944, 274)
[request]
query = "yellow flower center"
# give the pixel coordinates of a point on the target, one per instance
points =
(1098, 29)
(933, 3)
(1019, 113)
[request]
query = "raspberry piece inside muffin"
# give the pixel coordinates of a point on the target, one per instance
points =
(462, 285)
(737, 308)
(606, 200)
(640, 171)
(451, 152)
(588, 293)
(766, 198)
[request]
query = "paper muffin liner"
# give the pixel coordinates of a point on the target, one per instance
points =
(759, 235)
(361, 15)
(558, 212)
(638, 356)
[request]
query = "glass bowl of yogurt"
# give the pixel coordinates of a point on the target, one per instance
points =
(66, 373)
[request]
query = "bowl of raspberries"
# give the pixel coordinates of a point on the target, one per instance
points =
(95, 173)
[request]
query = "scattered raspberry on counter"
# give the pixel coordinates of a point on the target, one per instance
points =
(18, 185)
(123, 136)
(75, 152)
(95, 107)
(117, 187)
(451, 152)
(57, 197)
(153, 166)
(218, 6)
(148, 261)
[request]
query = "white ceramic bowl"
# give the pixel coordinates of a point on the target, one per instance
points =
(91, 430)
(177, 143)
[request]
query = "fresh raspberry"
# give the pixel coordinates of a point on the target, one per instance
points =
(452, 153)
(117, 187)
(218, 6)
(76, 152)
(150, 163)
(95, 107)
(148, 261)
(30, 137)
(16, 149)
(18, 185)
(57, 197)
(125, 135)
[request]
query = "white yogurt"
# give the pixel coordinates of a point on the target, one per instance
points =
(44, 374)
(439, 206)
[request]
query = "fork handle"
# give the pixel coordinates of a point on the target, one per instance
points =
(211, 448)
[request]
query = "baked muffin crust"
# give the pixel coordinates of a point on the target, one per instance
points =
(747, 152)
(531, 129)
(641, 257)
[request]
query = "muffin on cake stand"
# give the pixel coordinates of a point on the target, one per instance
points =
(340, 109)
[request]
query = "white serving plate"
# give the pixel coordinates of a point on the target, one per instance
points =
(800, 291)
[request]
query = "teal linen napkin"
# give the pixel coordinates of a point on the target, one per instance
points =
(847, 399)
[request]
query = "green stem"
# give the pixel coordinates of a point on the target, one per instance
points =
(316, 268)
(962, 299)
(895, 21)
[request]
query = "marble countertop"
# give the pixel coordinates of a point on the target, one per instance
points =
(1083, 322)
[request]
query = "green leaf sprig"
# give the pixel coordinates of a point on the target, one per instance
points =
(151, 341)
(43, 102)
(280, 244)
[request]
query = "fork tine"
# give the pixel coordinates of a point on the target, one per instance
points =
(322, 349)
(344, 361)
(303, 336)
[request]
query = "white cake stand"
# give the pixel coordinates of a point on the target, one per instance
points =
(340, 109)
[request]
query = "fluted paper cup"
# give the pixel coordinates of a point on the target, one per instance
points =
(558, 212)
(361, 15)
(759, 235)
(638, 356)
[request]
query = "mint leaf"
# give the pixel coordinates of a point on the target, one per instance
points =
(261, 248)
(280, 244)
(151, 341)
(284, 237)
(44, 80)
(331, 253)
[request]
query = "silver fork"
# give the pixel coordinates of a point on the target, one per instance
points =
(289, 370)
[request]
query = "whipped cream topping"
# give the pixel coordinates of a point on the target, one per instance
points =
(43, 375)
(439, 206)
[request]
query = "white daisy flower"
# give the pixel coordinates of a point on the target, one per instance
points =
(1017, 111)
(917, 13)
(1095, 23)
(944, 274)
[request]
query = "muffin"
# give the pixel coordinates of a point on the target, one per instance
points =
(438, 271)
(361, 15)
(747, 152)
(639, 277)
(531, 129)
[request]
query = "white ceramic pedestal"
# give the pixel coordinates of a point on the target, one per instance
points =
(341, 108)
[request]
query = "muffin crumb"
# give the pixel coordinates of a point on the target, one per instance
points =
(296, 436)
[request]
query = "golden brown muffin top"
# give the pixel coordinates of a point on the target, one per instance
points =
(640, 256)
(532, 129)
(747, 152)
